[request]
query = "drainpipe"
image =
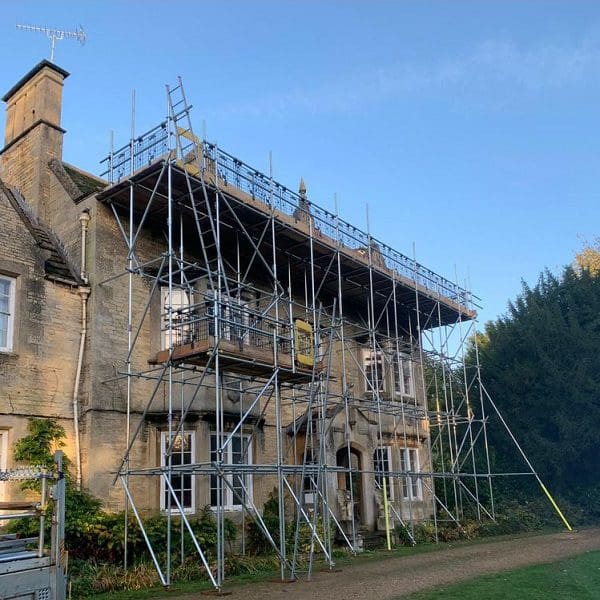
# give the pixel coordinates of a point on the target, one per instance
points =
(84, 292)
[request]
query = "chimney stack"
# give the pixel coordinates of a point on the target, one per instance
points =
(33, 135)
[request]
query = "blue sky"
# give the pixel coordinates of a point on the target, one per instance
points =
(469, 128)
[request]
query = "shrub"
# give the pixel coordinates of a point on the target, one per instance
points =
(256, 540)
(95, 534)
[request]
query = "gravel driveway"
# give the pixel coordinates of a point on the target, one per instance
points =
(394, 577)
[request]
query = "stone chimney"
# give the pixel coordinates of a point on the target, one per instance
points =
(33, 135)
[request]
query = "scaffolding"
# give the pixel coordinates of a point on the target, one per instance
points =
(28, 567)
(322, 364)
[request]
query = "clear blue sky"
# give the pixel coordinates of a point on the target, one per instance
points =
(470, 128)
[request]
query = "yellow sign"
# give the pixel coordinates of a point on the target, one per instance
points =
(304, 340)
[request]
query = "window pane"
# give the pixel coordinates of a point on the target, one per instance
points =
(238, 493)
(235, 453)
(411, 488)
(373, 366)
(403, 375)
(6, 289)
(236, 447)
(404, 467)
(381, 464)
(4, 296)
(397, 381)
(3, 331)
(407, 375)
(214, 501)
(183, 484)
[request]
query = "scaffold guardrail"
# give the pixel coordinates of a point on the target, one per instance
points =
(155, 144)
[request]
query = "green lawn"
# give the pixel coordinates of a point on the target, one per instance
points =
(570, 579)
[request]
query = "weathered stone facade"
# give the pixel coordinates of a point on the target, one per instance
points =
(38, 375)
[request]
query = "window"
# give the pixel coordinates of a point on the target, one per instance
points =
(234, 319)
(382, 461)
(237, 452)
(403, 375)
(411, 483)
(237, 326)
(373, 369)
(178, 332)
(183, 453)
(7, 312)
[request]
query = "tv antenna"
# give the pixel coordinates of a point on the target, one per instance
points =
(56, 34)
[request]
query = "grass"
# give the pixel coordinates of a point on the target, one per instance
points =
(575, 578)
(340, 558)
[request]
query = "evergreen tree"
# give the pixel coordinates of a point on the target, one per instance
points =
(541, 364)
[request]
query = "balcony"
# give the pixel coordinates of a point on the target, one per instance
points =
(246, 342)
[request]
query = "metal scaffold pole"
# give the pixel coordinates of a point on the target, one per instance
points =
(305, 382)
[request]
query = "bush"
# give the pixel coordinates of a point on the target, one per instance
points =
(102, 537)
(257, 542)
(95, 534)
(90, 578)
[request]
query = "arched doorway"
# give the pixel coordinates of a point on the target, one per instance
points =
(351, 480)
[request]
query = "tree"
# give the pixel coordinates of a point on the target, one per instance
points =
(589, 258)
(541, 364)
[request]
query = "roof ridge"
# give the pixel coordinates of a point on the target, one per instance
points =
(84, 172)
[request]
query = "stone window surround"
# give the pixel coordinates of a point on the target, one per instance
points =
(12, 272)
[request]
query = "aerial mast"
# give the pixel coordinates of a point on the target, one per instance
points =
(54, 34)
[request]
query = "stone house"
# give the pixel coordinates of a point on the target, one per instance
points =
(225, 355)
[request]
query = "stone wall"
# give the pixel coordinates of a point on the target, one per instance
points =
(37, 377)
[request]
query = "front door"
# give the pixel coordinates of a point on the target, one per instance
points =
(352, 479)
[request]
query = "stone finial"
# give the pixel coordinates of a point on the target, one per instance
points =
(302, 188)
(302, 211)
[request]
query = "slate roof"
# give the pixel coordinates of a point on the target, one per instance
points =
(57, 265)
(78, 184)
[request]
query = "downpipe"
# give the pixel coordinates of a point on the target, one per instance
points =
(84, 292)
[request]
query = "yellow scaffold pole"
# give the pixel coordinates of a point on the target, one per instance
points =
(387, 516)
(533, 472)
